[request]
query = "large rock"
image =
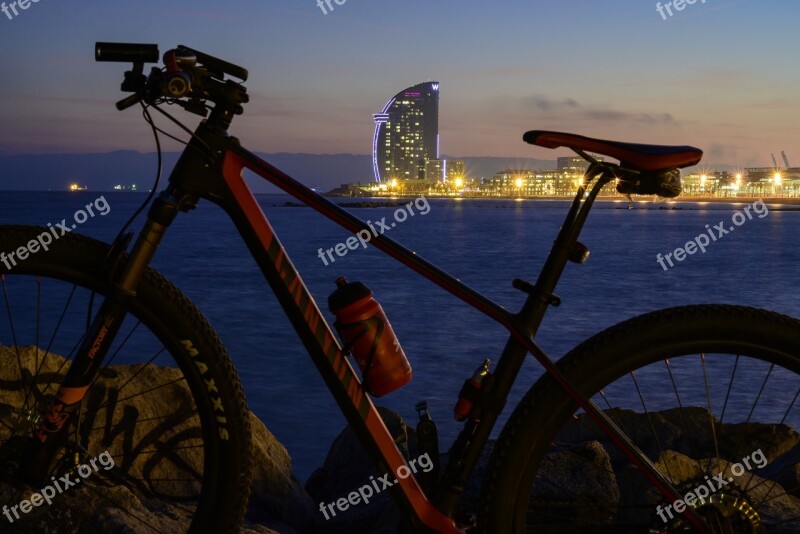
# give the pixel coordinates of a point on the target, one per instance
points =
(154, 438)
(144, 416)
(572, 477)
(345, 470)
(585, 478)
(685, 431)
(278, 499)
(682, 448)
(785, 470)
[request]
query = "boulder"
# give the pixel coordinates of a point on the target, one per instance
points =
(346, 469)
(153, 435)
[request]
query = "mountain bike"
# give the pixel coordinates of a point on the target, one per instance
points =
(104, 355)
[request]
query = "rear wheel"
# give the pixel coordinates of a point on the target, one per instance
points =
(709, 393)
(162, 439)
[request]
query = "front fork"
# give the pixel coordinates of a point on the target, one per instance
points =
(52, 434)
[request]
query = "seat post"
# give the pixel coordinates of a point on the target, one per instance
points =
(542, 293)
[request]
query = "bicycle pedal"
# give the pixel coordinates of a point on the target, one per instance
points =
(428, 443)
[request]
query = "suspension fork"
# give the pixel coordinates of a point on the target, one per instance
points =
(51, 434)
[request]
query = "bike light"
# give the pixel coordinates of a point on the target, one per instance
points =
(579, 253)
(126, 52)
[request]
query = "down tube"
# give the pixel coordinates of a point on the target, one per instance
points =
(323, 347)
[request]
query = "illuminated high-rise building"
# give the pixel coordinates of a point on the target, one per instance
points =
(407, 133)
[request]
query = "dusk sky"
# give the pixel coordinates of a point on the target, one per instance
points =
(719, 74)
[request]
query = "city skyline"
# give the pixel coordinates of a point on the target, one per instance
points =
(714, 76)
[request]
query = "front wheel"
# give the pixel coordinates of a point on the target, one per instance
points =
(160, 442)
(709, 393)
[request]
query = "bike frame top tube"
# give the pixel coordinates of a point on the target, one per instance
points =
(222, 182)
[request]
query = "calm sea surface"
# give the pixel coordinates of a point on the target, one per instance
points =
(485, 243)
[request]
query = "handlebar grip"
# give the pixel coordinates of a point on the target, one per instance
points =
(126, 52)
(129, 101)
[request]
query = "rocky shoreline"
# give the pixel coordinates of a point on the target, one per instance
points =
(582, 450)
(583, 462)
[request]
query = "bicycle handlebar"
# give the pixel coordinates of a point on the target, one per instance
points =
(189, 78)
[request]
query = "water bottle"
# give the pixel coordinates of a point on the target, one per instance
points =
(369, 337)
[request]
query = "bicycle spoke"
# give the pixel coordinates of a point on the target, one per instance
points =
(38, 319)
(650, 421)
(150, 421)
(119, 348)
(145, 392)
(791, 405)
(53, 336)
(702, 443)
(144, 420)
(710, 409)
(612, 412)
(116, 352)
(730, 387)
(65, 361)
(760, 392)
(153, 451)
(13, 333)
(692, 438)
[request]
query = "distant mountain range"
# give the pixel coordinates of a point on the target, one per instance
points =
(101, 172)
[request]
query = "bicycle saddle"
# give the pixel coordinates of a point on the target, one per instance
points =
(637, 157)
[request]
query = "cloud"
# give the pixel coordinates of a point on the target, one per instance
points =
(569, 109)
(621, 116)
(716, 152)
(548, 104)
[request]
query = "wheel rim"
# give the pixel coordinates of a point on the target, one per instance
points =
(693, 429)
